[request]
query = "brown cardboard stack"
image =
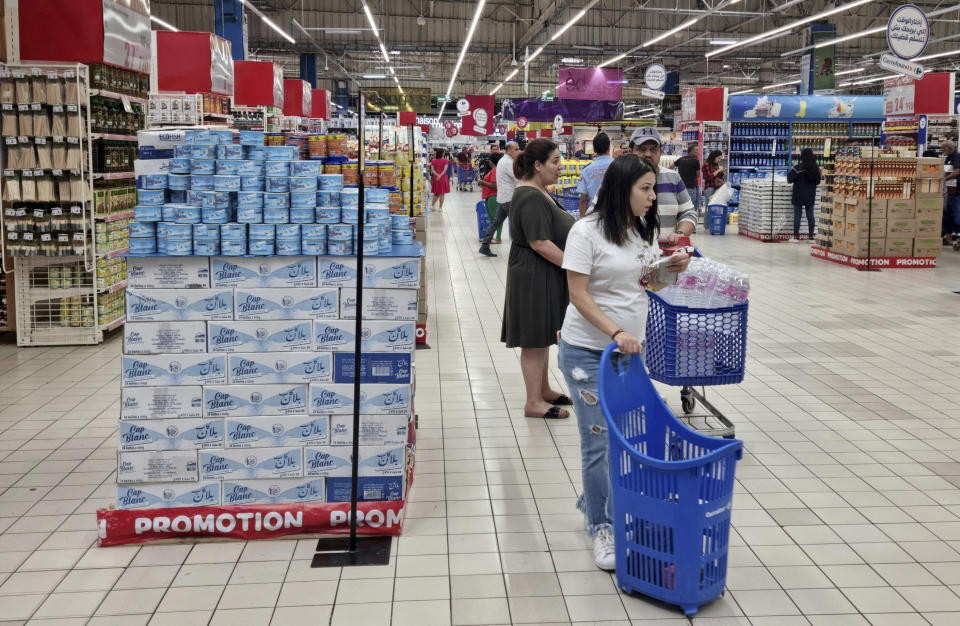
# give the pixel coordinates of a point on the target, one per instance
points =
(420, 234)
(865, 227)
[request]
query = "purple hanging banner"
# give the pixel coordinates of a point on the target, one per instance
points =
(590, 83)
(536, 110)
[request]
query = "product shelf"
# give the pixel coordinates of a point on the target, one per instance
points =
(117, 96)
(113, 175)
(114, 253)
(116, 216)
(117, 323)
(114, 287)
(113, 137)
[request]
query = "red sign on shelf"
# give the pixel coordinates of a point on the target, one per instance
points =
(522, 122)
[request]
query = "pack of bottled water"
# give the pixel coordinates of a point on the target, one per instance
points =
(708, 284)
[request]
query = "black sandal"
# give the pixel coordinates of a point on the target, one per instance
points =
(562, 400)
(552, 414)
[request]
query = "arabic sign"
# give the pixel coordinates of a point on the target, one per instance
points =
(908, 31)
(478, 118)
(655, 77)
(805, 108)
(590, 83)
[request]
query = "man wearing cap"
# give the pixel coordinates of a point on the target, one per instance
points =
(678, 216)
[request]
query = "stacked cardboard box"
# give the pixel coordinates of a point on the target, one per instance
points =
(420, 234)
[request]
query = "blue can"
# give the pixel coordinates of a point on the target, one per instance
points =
(225, 182)
(375, 195)
(206, 247)
(152, 181)
(252, 215)
(327, 214)
(203, 151)
(276, 200)
(183, 151)
(147, 213)
(402, 237)
(172, 230)
(230, 151)
(398, 222)
(313, 247)
(249, 168)
(303, 183)
(301, 215)
(251, 137)
(261, 247)
(179, 165)
(206, 231)
(328, 198)
(143, 245)
(276, 168)
(281, 153)
(330, 182)
(233, 231)
(313, 231)
(256, 153)
(370, 248)
(350, 197)
(377, 213)
(340, 232)
(251, 183)
(143, 229)
(216, 199)
(262, 231)
(276, 215)
(178, 196)
(339, 248)
(277, 183)
(288, 247)
(228, 167)
(303, 199)
(195, 197)
(233, 247)
(386, 246)
(203, 166)
(179, 247)
(305, 168)
(151, 197)
(350, 215)
(371, 231)
(187, 215)
(249, 199)
(288, 231)
(201, 182)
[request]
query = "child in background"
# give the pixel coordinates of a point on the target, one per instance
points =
(489, 192)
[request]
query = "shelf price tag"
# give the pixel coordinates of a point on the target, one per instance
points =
(7, 106)
(27, 173)
(74, 172)
(52, 75)
(12, 236)
(36, 106)
(72, 108)
(63, 238)
(57, 172)
(58, 139)
(58, 108)
(19, 74)
(40, 140)
(73, 140)
(38, 213)
(56, 211)
(28, 236)
(78, 236)
(45, 237)
(76, 210)
(38, 172)
(10, 212)
(126, 103)
(23, 139)
(21, 212)
(23, 107)
(10, 141)
(826, 148)
(69, 74)
(36, 71)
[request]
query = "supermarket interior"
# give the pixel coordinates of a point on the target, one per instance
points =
(479, 312)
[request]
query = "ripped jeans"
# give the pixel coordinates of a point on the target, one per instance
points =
(581, 368)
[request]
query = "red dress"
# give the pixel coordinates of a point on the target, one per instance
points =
(439, 185)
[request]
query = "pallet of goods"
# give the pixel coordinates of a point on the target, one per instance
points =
(766, 212)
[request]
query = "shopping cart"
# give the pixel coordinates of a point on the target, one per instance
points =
(569, 199)
(465, 177)
(483, 220)
(672, 491)
(690, 347)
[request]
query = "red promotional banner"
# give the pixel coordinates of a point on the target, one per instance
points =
(406, 118)
(590, 83)
(478, 121)
(247, 522)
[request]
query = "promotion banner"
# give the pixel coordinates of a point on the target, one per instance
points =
(119, 527)
(590, 83)
(822, 66)
(536, 110)
(478, 121)
(126, 35)
(801, 108)
(221, 66)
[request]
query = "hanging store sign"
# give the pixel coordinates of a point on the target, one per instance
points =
(477, 119)
(908, 31)
(391, 99)
(900, 66)
(655, 77)
(590, 83)
(652, 93)
(790, 107)
(898, 96)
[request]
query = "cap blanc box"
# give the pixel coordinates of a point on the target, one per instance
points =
(375, 399)
(252, 400)
(164, 337)
(287, 367)
(251, 463)
(293, 271)
(277, 431)
(168, 495)
(273, 491)
(901, 228)
(369, 489)
(162, 370)
(289, 303)
(334, 335)
(391, 367)
(336, 272)
(390, 272)
(380, 304)
(265, 336)
(898, 247)
(901, 209)
(376, 335)
(157, 466)
(172, 305)
(382, 460)
(375, 430)
(168, 273)
(141, 403)
(327, 461)
(173, 434)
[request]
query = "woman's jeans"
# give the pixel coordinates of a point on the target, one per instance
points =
(581, 369)
(797, 209)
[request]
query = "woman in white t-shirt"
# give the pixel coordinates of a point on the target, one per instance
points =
(608, 259)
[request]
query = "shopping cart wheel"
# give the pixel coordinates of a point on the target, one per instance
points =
(687, 402)
(956, 244)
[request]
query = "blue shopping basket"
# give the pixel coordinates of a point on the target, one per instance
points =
(717, 218)
(689, 346)
(672, 491)
(483, 220)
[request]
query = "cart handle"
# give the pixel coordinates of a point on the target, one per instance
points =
(720, 448)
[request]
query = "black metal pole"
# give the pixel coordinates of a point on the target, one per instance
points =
(773, 173)
(413, 158)
(380, 139)
(873, 156)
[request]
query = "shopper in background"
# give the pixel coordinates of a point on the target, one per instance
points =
(951, 206)
(608, 259)
(805, 177)
(506, 183)
(677, 214)
(592, 175)
(713, 175)
(440, 180)
(489, 191)
(463, 158)
(580, 153)
(688, 166)
(536, 297)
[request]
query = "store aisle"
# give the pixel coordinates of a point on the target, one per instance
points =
(847, 510)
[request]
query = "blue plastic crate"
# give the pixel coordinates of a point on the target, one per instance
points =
(671, 490)
(570, 201)
(695, 346)
(483, 221)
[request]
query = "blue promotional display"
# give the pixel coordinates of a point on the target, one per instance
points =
(787, 108)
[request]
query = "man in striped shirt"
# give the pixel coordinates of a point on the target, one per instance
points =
(678, 216)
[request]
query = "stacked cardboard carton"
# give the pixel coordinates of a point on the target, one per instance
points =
(420, 234)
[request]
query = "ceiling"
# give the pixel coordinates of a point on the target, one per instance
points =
(425, 51)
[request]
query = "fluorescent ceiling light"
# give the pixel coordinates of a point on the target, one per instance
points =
(511, 75)
(394, 52)
(862, 33)
(496, 89)
(374, 76)
(936, 56)
(535, 54)
(571, 60)
(466, 45)
(788, 27)
(723, 41)
(673, 31)
(154, 18)
(576, 18)
(269, 22)
(619, 57)
(737, 93)
(786, 84)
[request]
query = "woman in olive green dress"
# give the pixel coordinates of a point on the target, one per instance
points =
(537, 296)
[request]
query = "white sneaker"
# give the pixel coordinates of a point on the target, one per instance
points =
(604, 550)
(794, 240)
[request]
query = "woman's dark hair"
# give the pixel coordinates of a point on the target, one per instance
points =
(613, 202)
(713, 156)
(537, 151)
(439, 153)
(809, 163)
(495, 157)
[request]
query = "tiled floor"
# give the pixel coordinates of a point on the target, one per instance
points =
(847, 510)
